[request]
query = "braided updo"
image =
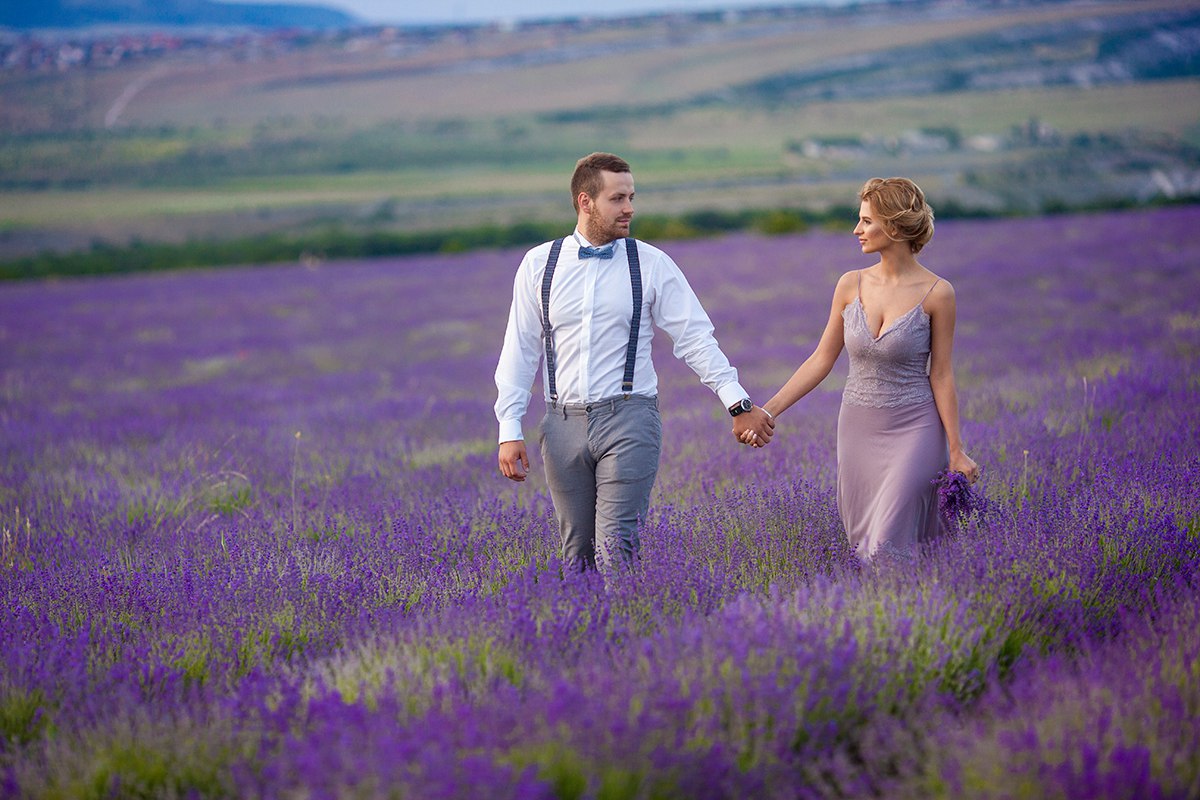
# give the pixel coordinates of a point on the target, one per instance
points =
(900, 205)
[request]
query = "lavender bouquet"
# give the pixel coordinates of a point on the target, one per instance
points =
(957, 499)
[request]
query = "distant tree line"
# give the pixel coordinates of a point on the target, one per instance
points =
(336, 242)
(339, 243)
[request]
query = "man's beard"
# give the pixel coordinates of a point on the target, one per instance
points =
(600, 233)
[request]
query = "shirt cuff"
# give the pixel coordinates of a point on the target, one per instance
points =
(731, 393)
(510, 430)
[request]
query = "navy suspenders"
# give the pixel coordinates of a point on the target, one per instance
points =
(635, 281)
(547, 333)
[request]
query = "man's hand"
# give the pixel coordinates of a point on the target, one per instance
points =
(755, 427)
(514, 461)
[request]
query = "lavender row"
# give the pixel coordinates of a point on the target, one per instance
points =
(255, 543)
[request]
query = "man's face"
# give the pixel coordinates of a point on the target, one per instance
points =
(611, 210)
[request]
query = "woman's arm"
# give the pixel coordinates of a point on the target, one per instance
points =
(942, 312)
(818, 365)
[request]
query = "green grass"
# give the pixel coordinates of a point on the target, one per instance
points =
(125, 181)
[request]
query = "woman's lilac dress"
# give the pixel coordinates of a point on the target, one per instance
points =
(891, 443)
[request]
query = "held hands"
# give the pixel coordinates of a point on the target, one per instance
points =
(514, 460)
(755, 427)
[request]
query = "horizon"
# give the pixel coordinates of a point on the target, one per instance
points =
(487, 11)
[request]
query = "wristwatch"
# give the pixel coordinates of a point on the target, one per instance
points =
(740, 407)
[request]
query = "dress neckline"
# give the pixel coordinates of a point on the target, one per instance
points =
(895, 323)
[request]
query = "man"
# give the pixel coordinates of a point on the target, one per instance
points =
(583, 307)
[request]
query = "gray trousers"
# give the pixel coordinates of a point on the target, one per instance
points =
(601, 460)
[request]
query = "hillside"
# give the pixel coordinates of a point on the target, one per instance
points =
(1023, 108)
(65, 14)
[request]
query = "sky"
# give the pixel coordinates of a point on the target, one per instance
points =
(459, 11)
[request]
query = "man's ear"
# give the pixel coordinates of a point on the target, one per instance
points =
(585, 203)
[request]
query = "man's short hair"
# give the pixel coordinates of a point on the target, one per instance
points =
(587, 177)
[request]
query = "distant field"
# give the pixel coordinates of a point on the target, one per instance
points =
(484, 129)
(671, 154)
(1171, 107)
(368, 87)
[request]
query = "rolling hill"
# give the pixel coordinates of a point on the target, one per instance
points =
(1020, 108)
(67, 14)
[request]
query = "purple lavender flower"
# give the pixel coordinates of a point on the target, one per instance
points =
(194, 601)
(957, 498)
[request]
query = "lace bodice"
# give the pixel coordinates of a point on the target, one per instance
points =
(892, 369)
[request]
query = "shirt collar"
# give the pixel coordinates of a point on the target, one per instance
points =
(583, 242)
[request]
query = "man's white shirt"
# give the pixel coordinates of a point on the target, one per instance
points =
(591, 302)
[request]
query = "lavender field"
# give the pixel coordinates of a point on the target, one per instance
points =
(255, 544)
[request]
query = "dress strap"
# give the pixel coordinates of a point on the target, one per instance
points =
(935, 283)
(860, 272)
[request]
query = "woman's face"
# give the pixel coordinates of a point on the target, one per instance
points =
(872, 235)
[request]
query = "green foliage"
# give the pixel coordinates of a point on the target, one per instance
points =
(202, 157)
(134, 763)
(22, 717)
(781, 221)
(565, 771)
(336, 242)
(232, 501)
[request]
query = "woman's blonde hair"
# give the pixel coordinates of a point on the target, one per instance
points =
(900, 205)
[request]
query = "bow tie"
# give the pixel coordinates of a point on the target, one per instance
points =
(605, 251)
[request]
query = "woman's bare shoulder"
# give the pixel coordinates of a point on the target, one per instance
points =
(847, 285)
(941, 296)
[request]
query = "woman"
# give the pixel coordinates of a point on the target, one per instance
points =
(898, 425)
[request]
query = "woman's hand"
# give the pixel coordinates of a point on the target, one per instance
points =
(961, 462)
(749, 437)
(754, 427)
